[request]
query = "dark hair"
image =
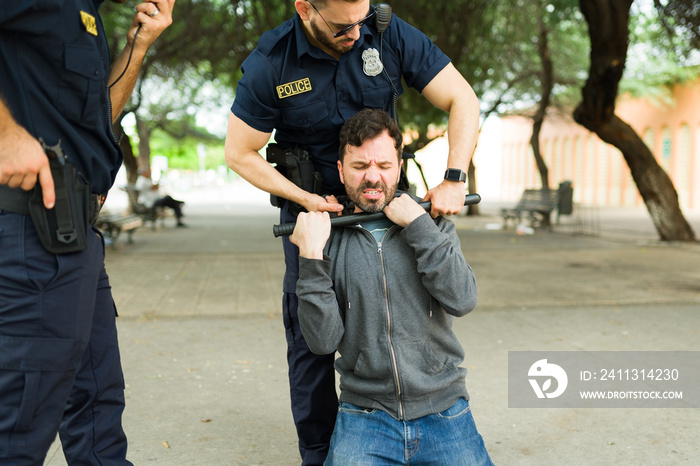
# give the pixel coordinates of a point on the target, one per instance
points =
(368, 124)
(322, 3)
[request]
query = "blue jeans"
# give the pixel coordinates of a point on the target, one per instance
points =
(372, 437)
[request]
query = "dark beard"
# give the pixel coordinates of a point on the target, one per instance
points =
(374, 205)
(326, 42)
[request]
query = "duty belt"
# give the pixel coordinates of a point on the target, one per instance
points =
(17, 200)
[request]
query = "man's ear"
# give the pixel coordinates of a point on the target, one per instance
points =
(340, 171)
(302, 7)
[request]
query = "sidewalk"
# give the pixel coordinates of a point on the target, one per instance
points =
(204, 352)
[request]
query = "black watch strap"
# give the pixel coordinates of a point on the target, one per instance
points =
(455, 174)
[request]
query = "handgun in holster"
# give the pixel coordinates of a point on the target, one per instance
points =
(296, 165)
(62, 229)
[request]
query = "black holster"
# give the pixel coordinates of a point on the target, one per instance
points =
(295, 165)
(64, 228)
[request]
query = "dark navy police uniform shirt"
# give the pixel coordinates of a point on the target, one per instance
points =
(54, 66)
(306, 95)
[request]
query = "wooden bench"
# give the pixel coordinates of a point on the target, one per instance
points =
(113, 225)
(537, 204)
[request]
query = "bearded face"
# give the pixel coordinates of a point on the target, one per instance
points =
(371, 197)
(371, 172)
(324, 37)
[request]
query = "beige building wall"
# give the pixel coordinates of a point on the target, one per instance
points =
(598, 171)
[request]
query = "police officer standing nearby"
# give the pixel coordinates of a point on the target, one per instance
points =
(59, 361)
(304, 79)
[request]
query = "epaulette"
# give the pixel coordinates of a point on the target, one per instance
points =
(270, 39)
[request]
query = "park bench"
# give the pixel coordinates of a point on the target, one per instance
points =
(147, 214)
(535, 204)
(114, 225)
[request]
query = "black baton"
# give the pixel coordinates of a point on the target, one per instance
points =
(287, 229)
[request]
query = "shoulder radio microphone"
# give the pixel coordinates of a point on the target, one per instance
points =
(383, 16)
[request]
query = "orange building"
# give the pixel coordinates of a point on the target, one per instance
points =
(598, 171)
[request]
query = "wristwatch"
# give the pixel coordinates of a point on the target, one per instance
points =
(455, 174)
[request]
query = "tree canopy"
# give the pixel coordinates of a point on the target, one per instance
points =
(519, 55)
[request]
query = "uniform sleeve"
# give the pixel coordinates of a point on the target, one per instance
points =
(444, 271)
(256, 102)
(421, 59)
(319, 314)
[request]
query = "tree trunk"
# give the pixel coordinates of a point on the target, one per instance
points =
(144, 133)
(608, 29)
(547, 83)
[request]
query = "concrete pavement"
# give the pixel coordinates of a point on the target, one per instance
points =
(203, 344)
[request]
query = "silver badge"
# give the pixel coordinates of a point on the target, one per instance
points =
(372, 65)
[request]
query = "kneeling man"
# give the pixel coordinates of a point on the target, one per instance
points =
(383, 294)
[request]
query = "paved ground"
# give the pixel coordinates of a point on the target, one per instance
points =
(203, 344)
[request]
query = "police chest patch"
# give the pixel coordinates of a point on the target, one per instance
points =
(294, 88)
(89, 22)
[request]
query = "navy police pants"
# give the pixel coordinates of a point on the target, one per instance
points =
(311, 376)
(60, 369)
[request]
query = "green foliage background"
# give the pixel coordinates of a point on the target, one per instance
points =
(493, 43)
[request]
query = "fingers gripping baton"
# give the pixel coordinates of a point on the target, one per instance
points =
(287, 229)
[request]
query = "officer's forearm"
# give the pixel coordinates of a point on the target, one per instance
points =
(6, 120)
(151, 19)
(463, 130)
(449, 91)
(124, 86)
(257, 171)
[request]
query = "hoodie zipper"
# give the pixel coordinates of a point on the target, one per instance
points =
(394, 363)
(391, 344)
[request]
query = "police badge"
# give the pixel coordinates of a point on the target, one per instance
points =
(372, 65)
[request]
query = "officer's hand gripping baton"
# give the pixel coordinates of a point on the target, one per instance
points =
(287, 229)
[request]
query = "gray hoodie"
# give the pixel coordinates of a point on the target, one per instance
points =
(387, 308)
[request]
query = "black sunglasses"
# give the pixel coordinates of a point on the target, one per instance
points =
(347, 29)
